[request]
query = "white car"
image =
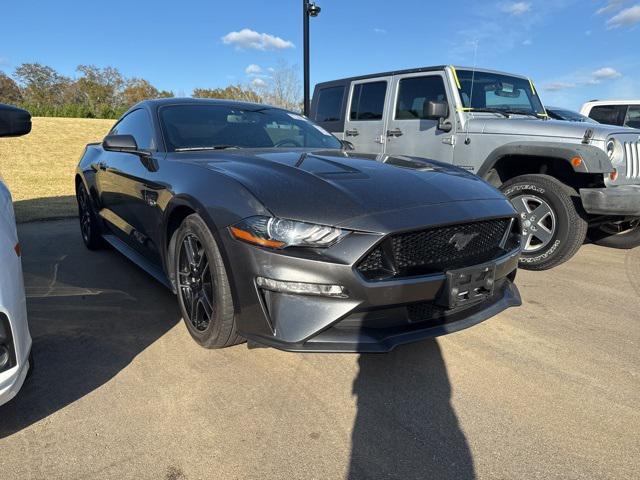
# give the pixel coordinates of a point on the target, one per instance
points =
(623, 113)
(15, 340)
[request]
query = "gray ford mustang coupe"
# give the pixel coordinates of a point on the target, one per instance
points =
(269, 229)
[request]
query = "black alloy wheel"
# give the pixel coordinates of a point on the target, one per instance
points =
(194, 283)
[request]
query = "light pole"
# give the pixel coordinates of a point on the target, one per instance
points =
(309, 9)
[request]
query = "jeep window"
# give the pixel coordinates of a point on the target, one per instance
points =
(330, 105)
(414, 91)
(609, 114)
(633, 117)
(367, 101)
(498, 91)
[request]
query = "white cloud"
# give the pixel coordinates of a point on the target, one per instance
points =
(611, 6)
(626, 18)
(555, 86)
(253, 69)
(517, 8)
(258, 82)
(594, 78)
(380, 31)
(604, 74)
(250, 39)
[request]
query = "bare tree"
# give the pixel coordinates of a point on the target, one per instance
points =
(9, 90)
(283, 88)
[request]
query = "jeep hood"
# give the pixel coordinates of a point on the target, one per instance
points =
(333, 186)
(528, 126)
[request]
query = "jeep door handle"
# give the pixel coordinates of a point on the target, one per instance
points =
(394, 133)
(102, 165)
(352, 133)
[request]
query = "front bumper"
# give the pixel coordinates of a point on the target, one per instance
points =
(620, 200)
(375, 317)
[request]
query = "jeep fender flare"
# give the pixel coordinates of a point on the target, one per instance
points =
(594, 160)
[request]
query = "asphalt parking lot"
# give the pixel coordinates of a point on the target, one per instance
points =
(549, 390)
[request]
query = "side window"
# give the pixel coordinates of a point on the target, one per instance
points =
(330, 105)
(367, 102)
(609, 114)
(633, 117)
(414, 91)
(138, 124)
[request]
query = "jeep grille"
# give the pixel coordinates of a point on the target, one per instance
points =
(632, 156)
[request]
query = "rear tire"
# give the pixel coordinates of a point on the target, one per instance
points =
(90, 227)
(553, 224)
(623, 235)
(202, 286)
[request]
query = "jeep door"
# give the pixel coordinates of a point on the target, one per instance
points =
(408, 131)
(365, 124)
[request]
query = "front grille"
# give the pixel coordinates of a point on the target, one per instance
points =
(632, 156)
(438, 249)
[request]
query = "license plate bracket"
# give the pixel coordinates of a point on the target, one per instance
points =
(467, 286)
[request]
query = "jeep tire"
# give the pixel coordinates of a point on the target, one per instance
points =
(553, 224)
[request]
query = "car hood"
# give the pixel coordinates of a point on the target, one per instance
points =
(529, 126)
(332, 187)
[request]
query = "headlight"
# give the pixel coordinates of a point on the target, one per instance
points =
(611, 148)
(279, 233)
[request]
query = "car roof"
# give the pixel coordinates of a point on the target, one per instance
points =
(612, 102)
(156, 103)
(416, 70)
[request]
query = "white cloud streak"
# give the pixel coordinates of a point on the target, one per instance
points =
(626, 18)
(253, 69)
(594, 78)
(517, 8)
(247, 39)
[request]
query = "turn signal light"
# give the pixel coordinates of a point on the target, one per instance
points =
(576, 161)
(613, 175)
(18, 249)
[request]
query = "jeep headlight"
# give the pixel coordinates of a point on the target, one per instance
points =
(610, 148)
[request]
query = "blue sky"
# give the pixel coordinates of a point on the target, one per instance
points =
(575, 50)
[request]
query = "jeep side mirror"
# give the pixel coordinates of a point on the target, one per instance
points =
(14, 121)
(437, 111)
(121, 143)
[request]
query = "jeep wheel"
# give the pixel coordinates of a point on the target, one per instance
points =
(624, 234)
(553, 228)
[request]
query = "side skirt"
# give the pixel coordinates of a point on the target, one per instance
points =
(139, 260)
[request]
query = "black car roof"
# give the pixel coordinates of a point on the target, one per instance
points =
(156, 103)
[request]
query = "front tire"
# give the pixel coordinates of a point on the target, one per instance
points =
(623, 235)
(202, 285)
(553, 226)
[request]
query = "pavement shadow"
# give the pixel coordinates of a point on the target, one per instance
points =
(90, 314)
(45, 208)
(405, 427)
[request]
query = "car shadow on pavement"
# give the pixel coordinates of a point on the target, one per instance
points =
(406, 427)
(90, 315)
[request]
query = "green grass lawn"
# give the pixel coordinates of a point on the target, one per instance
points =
(39, 167)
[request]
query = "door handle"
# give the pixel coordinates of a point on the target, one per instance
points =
(394, 133)
(102, 165)
(352, 133)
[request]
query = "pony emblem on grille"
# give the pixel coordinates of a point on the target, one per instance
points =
(461, 240)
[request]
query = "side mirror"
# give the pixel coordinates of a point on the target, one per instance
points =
(437, 111)
(347, 145)
(14, 121)
(121, 143)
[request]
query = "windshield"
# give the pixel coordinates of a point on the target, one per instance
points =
(496, 91)
(201, 127)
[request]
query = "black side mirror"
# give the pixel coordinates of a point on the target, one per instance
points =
(14, 121)
(437, 111)
(347, 145)
(121, 143)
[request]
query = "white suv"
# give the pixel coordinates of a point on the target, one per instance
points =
(15, 340)
(623, 113)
